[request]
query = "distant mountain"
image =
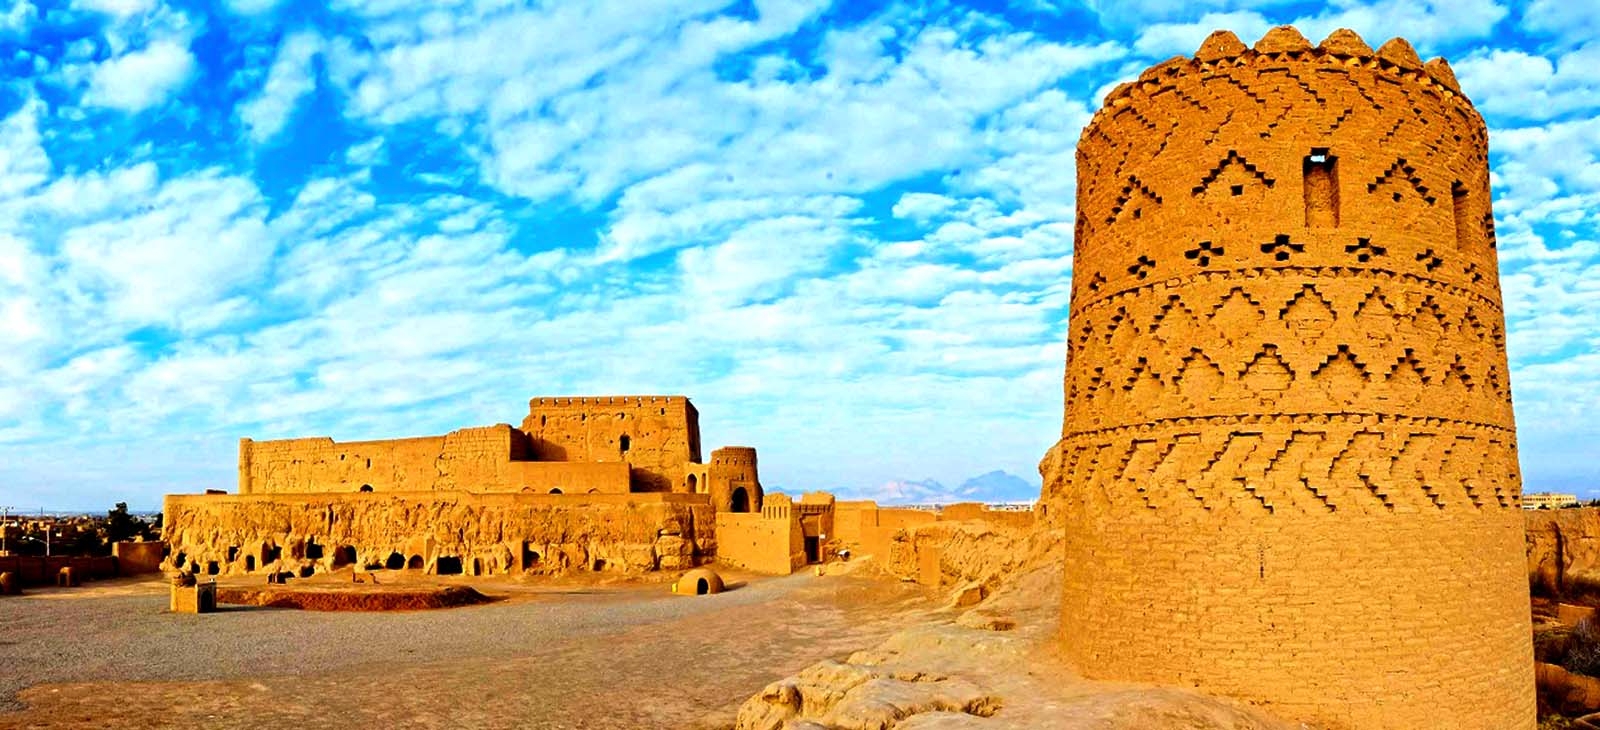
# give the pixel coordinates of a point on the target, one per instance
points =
(999, 486)
(995, 486)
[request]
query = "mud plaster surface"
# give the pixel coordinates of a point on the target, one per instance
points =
(560, 656)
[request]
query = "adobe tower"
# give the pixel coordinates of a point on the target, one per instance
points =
(1288, 468)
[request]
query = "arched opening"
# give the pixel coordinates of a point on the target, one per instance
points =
(249, 563)
(555, 490)
(702, 587)
(625, 442)
(396, 561)
(313, 550)
(599, 565)
(694, 484)
(271, 554)
(366, 487)
(233, 553)
(530, 557)
(477, 566)
(307, 571)
(447, 565)
(415, 563)
(741, 500)
(344, 555)
(212, 568)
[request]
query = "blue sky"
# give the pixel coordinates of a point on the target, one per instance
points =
(843, 229)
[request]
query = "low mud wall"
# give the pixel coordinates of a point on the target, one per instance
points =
(437, 532)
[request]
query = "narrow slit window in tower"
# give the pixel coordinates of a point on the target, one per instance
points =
(1322, 189)
(1458, 201)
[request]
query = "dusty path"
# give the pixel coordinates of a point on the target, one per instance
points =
(631, 657)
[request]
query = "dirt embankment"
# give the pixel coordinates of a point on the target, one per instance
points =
(1564, 553)
(988, 661)
(367, 598)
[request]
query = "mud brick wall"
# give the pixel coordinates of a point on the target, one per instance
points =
(655, 435)
(1288, 468)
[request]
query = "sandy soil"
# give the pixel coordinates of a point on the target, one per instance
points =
(548, 655)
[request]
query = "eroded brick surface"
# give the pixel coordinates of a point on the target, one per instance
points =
(1288, 466)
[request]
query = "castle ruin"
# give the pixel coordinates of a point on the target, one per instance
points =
(609, 483)
(1287, 468)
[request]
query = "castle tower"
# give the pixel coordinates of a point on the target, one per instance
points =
(1288, 467)
(735, 484)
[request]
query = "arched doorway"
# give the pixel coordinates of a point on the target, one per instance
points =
(702, 587)
(396, 561)
(557, 490)
(694, 483)
(366, 487)
(740, 501)
(415, 563)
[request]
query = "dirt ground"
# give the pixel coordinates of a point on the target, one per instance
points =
(546, 655)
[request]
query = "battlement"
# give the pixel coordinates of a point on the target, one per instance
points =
(1342, 48)
(734, 456)
(589, 401)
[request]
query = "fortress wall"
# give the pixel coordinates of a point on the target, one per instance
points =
(760, 543)
(872, 530)
(138, 557)
(494, 533)
(656, 435)
(41, 570)
(469, 458)
(850, 516)
(1288, 468)
(571, 477)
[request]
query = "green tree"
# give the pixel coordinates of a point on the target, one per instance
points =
(121, 526)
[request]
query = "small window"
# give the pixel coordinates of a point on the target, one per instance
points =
(1321, 182)
(625, 443)
(1461, 207)
(366, 487)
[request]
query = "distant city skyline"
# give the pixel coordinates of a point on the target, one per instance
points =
(843, 230)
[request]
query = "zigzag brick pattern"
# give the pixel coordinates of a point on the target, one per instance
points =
(1288, 469)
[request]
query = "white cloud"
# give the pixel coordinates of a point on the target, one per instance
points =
(1168, 39)
(18, 19)
(191, 242)
(23, 163)
(1566, 19)
(1515, 84)
(291, 78)
(141, 79)
(116, 8)
(1426, 23)
(250, 7)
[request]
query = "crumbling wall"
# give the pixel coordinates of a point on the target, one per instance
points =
(1288, 437)
(476, 534)
(655, 435)
(478, 459)
(1564, 552)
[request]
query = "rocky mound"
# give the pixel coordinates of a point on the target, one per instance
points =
(366, 598)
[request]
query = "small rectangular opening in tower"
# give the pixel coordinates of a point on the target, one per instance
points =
(1321, 188)
(1459, 201)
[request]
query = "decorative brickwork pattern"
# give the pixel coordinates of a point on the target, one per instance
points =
(1288, 468)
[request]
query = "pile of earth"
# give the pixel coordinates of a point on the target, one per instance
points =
(366, 598)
